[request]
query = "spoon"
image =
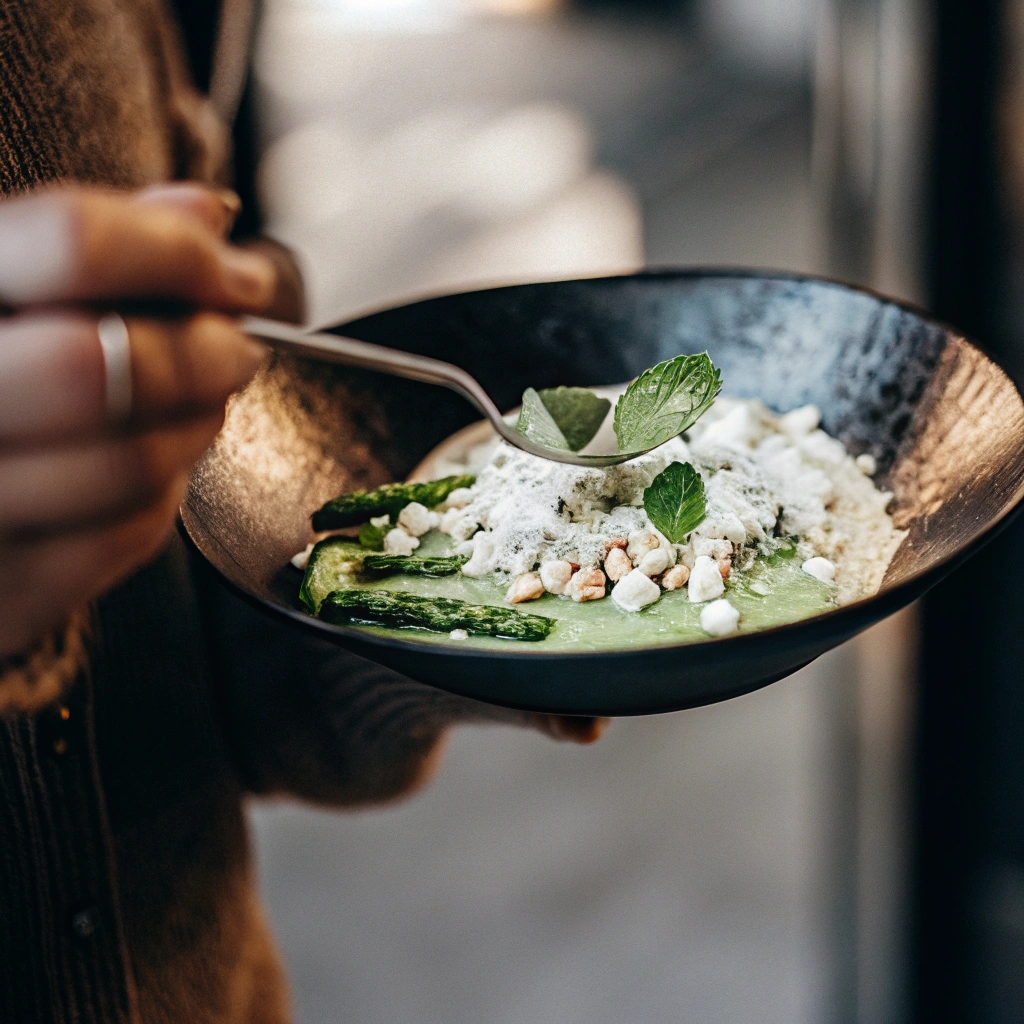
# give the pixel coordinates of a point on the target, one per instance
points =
(335, 348)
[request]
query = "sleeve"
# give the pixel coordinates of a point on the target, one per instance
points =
(305, 718)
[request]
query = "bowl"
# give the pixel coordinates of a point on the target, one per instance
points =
(943, 421)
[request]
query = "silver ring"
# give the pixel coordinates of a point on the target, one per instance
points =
(117, 361)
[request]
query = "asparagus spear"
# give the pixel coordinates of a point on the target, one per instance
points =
(377, 566)
(439, 614)
(359, 506)
(336, 559)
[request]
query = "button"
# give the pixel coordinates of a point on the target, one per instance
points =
(52, 730)
(85, 922)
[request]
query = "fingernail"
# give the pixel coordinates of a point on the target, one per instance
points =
(249, 277)
(232, 202)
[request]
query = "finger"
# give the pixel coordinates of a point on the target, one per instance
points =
(42, 583)
(68, 488)
(571, 728)
(73, 244)
(52, 375)
(217, 208)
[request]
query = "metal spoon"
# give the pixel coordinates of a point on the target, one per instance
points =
(335, 348)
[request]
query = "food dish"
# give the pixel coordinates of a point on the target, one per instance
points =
(747, 520)
(943, 422)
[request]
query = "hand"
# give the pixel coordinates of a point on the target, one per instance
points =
(84, 501)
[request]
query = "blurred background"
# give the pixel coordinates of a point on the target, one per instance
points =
(846, 845)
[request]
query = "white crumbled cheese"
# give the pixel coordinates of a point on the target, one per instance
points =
(642, 543)
(459, 498)
(398, 542)
(719, 618)
(866, 464)
(380, 521)
(301, 559)
(458, 525)
(654, 563)
(458, 634)
(705, 581)
(417, 519)
(635, 591)
(767, 478)
(481, 562)
(464, 548)
(800, 422)
(820, 568)
(555, 576)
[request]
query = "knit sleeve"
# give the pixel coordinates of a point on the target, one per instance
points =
(37, 677)
(306, 718)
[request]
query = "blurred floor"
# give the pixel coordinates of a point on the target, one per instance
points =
(703, 866)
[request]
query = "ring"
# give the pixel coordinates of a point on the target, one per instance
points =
(117, 361)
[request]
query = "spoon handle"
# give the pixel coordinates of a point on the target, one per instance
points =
(336, 348)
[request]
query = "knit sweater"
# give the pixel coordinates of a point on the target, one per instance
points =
(129, 741)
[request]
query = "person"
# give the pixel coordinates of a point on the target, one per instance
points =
(140, 703)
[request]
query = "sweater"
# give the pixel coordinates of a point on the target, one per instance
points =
(129, 742)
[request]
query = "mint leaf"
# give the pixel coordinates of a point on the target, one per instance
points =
(665, 400)
(675, 501)
(536, 423)
(578, 413)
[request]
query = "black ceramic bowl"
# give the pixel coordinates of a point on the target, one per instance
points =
(944, 422)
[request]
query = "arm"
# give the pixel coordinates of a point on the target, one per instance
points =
(84, 499)
(306, 718)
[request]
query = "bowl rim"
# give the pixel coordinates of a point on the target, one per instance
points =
(895, 597)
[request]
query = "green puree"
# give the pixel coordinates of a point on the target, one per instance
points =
(602, 625)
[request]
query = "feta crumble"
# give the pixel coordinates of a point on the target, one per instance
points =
(820, 568)
(706, 581)
(635, 591)
(719, 618)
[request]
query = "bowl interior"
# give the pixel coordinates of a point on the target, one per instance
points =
(945, 424)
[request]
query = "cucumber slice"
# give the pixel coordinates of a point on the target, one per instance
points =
(330, 562)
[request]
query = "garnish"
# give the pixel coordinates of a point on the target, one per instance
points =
(438, 614)
(536, 423)
(665, 400)
(390, 499)
(578, 413)
(675, 501)
(660, 404)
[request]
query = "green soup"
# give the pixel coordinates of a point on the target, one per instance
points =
(773, 592)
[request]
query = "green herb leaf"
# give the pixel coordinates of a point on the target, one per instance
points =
(536, 423)
(578, 413)
(675, 501)
(665, 400)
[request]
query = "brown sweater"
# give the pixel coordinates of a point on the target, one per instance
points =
(126, 884)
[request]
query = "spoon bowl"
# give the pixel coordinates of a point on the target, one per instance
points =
(944, 423)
